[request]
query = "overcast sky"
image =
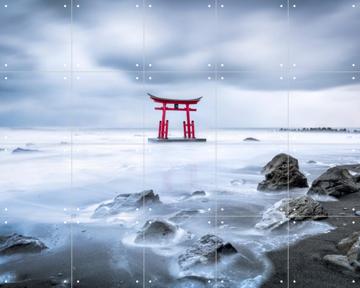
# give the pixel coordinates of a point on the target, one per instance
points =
(260, 54)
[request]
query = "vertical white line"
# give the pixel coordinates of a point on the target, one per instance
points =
(71, 148)
(216, 131)
(143, 16)
(288, 132)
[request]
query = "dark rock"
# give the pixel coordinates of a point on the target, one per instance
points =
(124, 202)
(336, 181)
(311, 162)
(251, 139)
(16, 243)
(205, 251)
(22, 150)
(281, 173)
(357, 213)
(156, 231)
(198, 193)
(299, 209)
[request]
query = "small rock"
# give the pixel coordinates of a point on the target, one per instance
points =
(357, 213)
(184, 214)
(204, 251)
(156, 231)
(297, 209)
(311, 162)
(336, 181)
(281, 173)
(251, 139)
(16, 243)
(22, 150)
(237, 182)
(126, 201)
(198, 193)
(339, 261)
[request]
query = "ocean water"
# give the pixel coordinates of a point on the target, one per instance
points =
(51, 192)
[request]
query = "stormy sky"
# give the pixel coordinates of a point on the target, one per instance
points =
(257, 63)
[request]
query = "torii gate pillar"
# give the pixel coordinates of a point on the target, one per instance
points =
(188, 125)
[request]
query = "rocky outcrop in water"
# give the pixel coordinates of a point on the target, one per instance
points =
(127, 201)
(281, 173)
(299, 209)
(205, 251)
(251, 139)
(156, 231)
(350, 260)
(337, 181)
(22, 150)
(17, 243)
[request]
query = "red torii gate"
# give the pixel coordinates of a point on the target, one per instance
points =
(176, 105)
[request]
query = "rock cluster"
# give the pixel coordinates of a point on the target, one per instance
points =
(123, 201)
(350, 259)
(299, 209)
(206, 250)
(281, 173)
(17, 243)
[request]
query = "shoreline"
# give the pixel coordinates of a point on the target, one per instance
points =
(305, 265)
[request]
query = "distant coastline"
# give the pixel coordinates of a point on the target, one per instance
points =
(320, 129)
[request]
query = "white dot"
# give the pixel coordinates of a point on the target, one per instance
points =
(150, 281)
(137, 5)
(137, 281)
(150, 65)
(65, 78)
(65, 209)
(294, 281)
(137, 78)
(209, 78)
(78, 222)
(281, 65)
(150, 78)
(64, 281)
(137, 65)
(150, 5)
(294, 78)
(353, 5)
(5, 222)
(5, 5)
(150, 209)
(294, 65)
(65, 222)
(6, 209)
(222, 209)
(5, 77)
(353, 222)
(294, 6)
(353, 65)
(209, 222)
(281, 281)
(353, 281)
(209, 281)
(78, 6)
(281, 5)
(222, 65)
(209, 6)
(209, 209)
(64, 5)
(353, 209)
(7, 65)
(209, 65)
(281, 78)
(353, 78)
(222, 5)
(77, 281)
(222, 78)
(222, 222)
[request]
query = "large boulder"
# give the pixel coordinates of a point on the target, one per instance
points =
(156, 231)
(281, 173)
(299, 209)
(17, 243)
(125, 201)
(336, 181)
(205, 251)
(349, 246)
